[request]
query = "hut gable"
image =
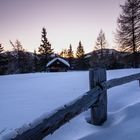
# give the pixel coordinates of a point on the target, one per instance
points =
(57, 64)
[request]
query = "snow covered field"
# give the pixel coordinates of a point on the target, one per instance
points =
(23, 98)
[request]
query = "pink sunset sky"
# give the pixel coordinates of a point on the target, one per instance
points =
(66, 22)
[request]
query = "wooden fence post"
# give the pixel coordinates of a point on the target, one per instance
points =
(98, 111)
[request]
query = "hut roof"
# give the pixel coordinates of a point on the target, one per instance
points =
(60, 59)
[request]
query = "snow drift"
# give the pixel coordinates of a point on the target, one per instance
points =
(23, 98)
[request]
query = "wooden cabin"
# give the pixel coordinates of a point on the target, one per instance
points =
(57, 65)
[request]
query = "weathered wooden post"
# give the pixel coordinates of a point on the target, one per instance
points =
(98, 111)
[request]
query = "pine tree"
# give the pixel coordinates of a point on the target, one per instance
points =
(3, 61)
(101, 42)
(70, 55)
(80, 62)
(45, 50)
(80, 50)
(128, 32)
(70, 52)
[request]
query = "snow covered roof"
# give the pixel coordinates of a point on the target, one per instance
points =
(60, 59)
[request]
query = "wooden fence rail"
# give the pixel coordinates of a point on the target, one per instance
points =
(96, 99)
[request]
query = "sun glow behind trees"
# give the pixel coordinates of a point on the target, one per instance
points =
(66, 22)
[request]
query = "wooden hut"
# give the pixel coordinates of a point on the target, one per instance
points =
(57, 65)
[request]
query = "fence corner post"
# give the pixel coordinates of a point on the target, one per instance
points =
(98, 112)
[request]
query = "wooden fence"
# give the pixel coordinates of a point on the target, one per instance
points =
(95, 99)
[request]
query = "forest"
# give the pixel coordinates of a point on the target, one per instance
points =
(127, 38)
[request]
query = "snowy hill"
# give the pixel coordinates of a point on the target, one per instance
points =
(23, 98)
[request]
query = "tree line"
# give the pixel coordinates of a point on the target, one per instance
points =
(127, 38)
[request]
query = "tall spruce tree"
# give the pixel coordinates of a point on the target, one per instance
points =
(70, 52)
(70, 55)
(80, 50)
(101, 42)
(45, 50)
(128, 31)
(80, 63)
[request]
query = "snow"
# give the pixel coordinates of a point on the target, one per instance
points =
(60, 59)
(25, 99)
